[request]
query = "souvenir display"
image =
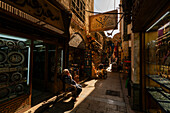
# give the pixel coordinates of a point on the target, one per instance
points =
(11, 44)
(167, 86)
(2, 43)
(158, 60)
(19, 88)
(166, 106)
(21, 44)
(16, 77)
(166, 94)
(4, 77)
(4, 92)
(159, 96)
(15, 58)
(13, 69)
(3, 57)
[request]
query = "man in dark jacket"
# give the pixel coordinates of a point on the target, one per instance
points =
(67, 79)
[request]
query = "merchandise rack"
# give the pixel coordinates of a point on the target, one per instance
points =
(157, 77)
(156, 94)
(158, 80)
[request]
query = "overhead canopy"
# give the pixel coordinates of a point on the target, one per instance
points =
(77, 41)
(147, 12)
(46, 17)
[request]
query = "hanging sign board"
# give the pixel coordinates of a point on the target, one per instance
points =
(75, 40)
(41, 9)
(103, 22)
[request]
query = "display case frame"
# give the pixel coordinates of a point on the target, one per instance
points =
(157, 70)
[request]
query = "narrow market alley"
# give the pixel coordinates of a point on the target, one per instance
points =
(98, 96)
(84, 56)
(101, 96)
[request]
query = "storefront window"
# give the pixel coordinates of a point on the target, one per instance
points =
(51, 62)
(39, 60)
(157, 52)
(38, 64)
(157, 44)
(59, 60)
(151, 61)
(76, 60)
(44, 57)
(44, 68)
(14, 66)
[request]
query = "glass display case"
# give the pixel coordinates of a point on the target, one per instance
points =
(60, 59)
(158, 71)
(14, 67)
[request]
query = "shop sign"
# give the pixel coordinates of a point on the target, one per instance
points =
(75, 40)
(103, 22)
(41, 9)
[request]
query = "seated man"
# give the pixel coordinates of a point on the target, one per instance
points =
(69, 82)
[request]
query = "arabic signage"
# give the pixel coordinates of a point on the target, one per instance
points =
(41, 9)
(75, 40)
(103, 22)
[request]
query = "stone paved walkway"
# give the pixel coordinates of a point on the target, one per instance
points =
(98, 96)
(94, 99)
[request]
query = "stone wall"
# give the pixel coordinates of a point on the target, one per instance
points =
(136, 58)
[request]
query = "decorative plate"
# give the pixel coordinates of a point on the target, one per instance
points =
(2, 43)
(4, 77)
(16, 77)
(19, 88)
(15, 58)
(3, 57)
(10, 44)
(4, 92)
(21, 44)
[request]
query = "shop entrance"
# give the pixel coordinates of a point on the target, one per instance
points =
(43, 71)
(76, 60)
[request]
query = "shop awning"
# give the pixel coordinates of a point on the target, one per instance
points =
(150, 11)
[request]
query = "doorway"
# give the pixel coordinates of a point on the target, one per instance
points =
(44, 63)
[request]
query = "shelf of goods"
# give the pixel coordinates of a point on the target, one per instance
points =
(13, 69)
(163, 52)
(164, 82)
(160, 40)
(161, 97)
(158, 85)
